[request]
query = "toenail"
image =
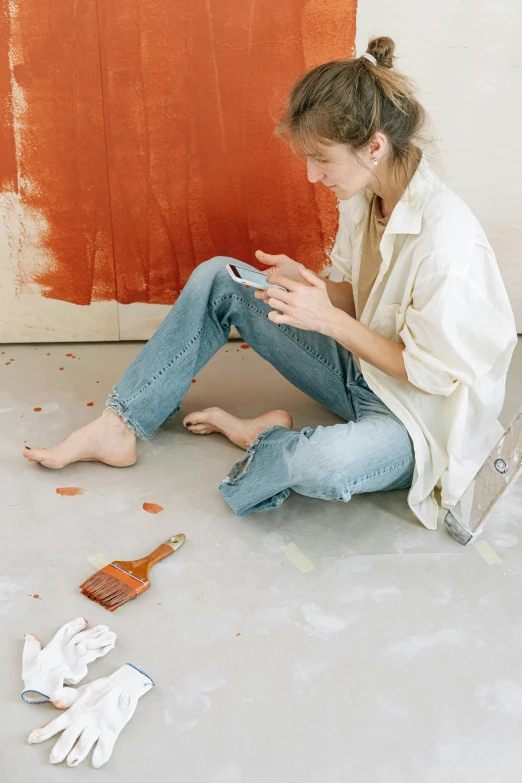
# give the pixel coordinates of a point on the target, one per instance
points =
(28, 448)
(188, 424)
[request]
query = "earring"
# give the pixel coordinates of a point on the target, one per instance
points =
(374, 162)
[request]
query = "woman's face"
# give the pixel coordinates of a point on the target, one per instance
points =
(340, 170)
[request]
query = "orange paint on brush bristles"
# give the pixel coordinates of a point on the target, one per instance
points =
(152, 508)
(122, 580)
(69, 491)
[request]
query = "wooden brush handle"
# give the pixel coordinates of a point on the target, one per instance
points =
(144, 564)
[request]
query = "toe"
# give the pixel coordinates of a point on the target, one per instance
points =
(200, 429)
(193, 418)
(33, 455)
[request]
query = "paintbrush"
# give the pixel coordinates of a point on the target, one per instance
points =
(122, 580)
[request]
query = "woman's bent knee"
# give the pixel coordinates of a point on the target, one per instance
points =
(213, 266)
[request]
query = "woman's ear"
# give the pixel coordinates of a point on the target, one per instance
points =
(378, 146)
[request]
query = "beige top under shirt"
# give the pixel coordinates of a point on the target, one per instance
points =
(371, 258)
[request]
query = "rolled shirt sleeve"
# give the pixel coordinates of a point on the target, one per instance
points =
(452, 335)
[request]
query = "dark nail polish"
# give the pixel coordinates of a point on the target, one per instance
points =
(28, 448)
(188, 424)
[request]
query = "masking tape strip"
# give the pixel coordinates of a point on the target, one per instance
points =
(298, 558)
(98, 561)
(485, 551)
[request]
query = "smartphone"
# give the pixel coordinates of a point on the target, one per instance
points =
(250, 277)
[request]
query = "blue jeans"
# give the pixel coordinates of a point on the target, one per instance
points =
(372, 451)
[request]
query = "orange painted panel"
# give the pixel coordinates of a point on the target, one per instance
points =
(53, 142)
(182, 139)
(194, 169)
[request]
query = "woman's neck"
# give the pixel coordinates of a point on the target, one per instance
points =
(385, 184)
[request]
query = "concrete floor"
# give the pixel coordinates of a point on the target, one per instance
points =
(397, 660)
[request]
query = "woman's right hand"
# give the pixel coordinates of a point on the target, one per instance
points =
(280, 265)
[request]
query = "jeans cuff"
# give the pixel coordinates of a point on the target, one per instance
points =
(118, 407)
(246, 493)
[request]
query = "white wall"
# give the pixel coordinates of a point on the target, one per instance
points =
(466, 57)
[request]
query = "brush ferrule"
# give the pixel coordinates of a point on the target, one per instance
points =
(133, 576)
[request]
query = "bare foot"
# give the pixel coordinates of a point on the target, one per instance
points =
(242, 432)
(107, 439)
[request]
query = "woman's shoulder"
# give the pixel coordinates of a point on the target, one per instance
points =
(452, 230)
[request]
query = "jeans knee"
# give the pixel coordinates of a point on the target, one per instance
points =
(213, 266)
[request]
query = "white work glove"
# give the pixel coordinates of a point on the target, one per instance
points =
(98, 712)
(64, 660)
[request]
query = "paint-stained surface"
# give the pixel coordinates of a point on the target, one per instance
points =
(194, 169)
(137, 140)
(53, 165)
(397, 660)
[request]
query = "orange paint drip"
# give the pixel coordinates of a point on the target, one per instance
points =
(69, 491)
(152, 508)
(37, 410)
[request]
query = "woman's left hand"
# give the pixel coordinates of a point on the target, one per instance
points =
(304, 305)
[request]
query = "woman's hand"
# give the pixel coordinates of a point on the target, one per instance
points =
(280, 265)
(305, 305)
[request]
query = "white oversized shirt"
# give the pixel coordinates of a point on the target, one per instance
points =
(439, 293)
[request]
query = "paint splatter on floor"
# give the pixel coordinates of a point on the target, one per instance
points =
(152, 508)
(37, 410)
(7, 363)
(61, 368)
(69, 355)
(38, 597)
(245, 346)
(238, 634)
(69, 491)
(193, 380)
(90, 404)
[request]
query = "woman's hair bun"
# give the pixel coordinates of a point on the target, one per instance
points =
(382, 49)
